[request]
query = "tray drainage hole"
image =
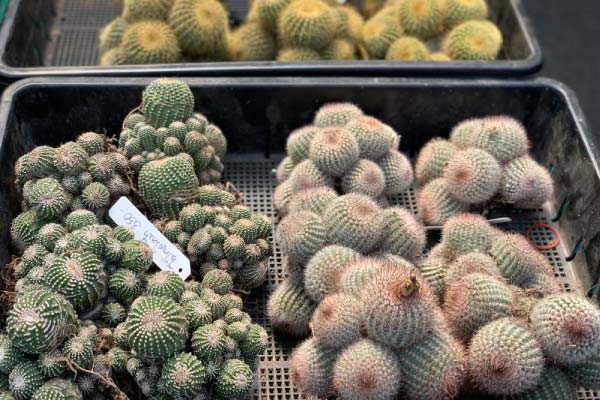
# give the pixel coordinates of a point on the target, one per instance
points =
(537, 226)
(575, 251)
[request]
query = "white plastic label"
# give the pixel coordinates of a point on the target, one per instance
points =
(164, 253)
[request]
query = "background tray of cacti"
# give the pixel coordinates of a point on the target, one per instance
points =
(60, 37)
(257, 117)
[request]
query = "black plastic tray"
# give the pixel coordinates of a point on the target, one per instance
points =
(59, 37)
(256, 115)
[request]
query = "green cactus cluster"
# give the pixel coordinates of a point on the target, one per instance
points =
(343, 150)
(485, 161)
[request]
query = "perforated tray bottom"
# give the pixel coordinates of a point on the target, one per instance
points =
(253, 176)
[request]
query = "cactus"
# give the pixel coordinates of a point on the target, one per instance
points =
(567, 327)
(268, 12)
(334, 150)
(24, 228)
(95, 196)
(587, 373)
(433, 159)
(517, 260)
(472, 263)
(353, 277)
(301, 235)
(434, 368)
(38, 163)
(219, 281)
(367, 370)
(371, 135)
(94, 143)
(501, 136)
(407, 49)
(439, 57)
(421, 18)
(290, 309)
(156, 327)
(404, 235)
(364, 178)
(167, 185)
(254, 343)
(71, 159)
(197, 312)
(378, 33)
(505, 358)
(149, 42)
(353, 221)
(298, 143)
(165, 101)
(525, 183)
(306, 175)
(311, 367)
(473, 176)
(340, 49)
(473, 301)
(320, 276)
(314, 200)
(208, 342)
(434, 271)
(284, 169)
(290, 54)
(146, 9)
(459, 11)
(397, 171)
(335, 114)
(100, 166)
(554, 385)
(397, 304)
(473, 40)
(10, 355)
(165, 284)
(308, 23)
(125, 285)
(252, 42)
(80, 351)
(336, 322)
(235, 379)
(47, 198)
(463, 133)
(466, 233)
(183, 375)
(57, 389)
(25, 379)
(201, 27)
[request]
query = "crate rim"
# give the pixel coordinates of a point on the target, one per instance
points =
(529, 65)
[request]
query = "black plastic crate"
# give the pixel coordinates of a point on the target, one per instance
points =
(257, 114)
(59, 37)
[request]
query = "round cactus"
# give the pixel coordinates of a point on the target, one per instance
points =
(125, 284)
(434, 271)
(336, 322)
(471, 263)
(235, 379)
(93, 142)
(314, 200)
(378, 33)
(183, 375)
(290, 309)
(284, 169)
(466, 233)
(149, 42)
(95, 196)
(25, 379)
(310, 23)
(113, 313)
(298, 143)
(320, 275)
(404, 235)
(165, 284)
(208, 342)
(473, 176)
(586, 374)
(407, 49)
(367, 370)
(311, 367)
(397, 171)
(201, 27)
(505, 358)
(336, 114)
(434, 368)
(459, 11)
(71, 158)
(80, 351)
(146, 9)
(397, 303)
(252, 42)
(567, 327)
(334, 150)
(501, 136)
(473, 301)
(433, 159)
(525, 183)
(301, 235)
(268, 12)
(517, 260)
(473, 40)
(254, 343)
(298, 54)
(47, 198)
(353, 277)
(340, 49)
(366, 178)
(50, 364)
(198, 313)
(165, 101)
(436, 204)
(10, 355)
(306, 175)
(156, 327)
(554, 385)
(57, 389)
(353, 220)
(38, 163)
(24, 228)
(371, 135)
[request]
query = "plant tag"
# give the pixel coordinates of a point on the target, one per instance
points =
(164, 253)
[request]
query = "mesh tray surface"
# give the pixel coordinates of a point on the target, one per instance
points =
(254, 176)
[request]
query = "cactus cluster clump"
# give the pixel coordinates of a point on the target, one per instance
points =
(486, 161)
(166, 31)
(344, 151)
(90, 312)
(218, 234)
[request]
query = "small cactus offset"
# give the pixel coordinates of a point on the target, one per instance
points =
(312, 367)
